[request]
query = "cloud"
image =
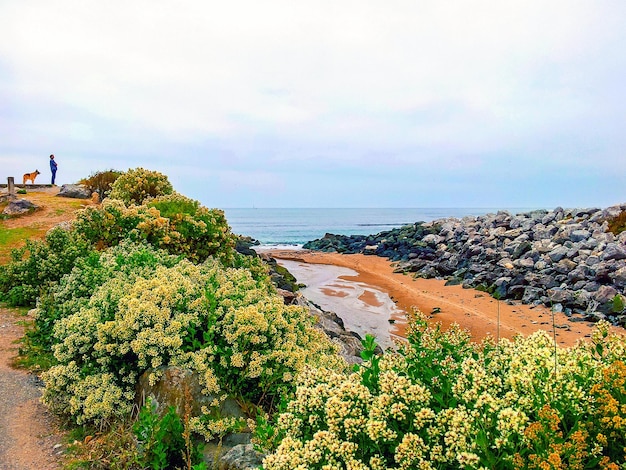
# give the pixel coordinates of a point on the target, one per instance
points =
(265, 92)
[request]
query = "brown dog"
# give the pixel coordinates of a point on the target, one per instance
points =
(31, 177)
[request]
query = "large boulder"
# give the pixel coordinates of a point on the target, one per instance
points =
(241, 457)
(19, 207)
(172, 388)
(76, 191)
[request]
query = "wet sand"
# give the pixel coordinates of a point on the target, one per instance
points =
(363, 307)
(473, 310)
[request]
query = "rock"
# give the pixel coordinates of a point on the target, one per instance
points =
(579, 235)
(170, 390)
(288, 296)
(531, 295)
(432, 239)
(605, 294)
(565, 256)
(619, 277)
(241, 457)
(614, 251)
(76, 191)
(558, 253)
(19, 207)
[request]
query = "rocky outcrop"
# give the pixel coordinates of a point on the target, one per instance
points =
(564, 258)
(19, 207)
(76, 191)
(331, 324)
(241, 457)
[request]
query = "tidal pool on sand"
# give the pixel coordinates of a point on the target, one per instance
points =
(362, 307)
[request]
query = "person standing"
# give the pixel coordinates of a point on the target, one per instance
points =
(53, 168)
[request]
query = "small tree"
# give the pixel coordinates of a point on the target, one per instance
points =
(101, 182)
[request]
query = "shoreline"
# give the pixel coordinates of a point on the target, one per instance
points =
(473, 310)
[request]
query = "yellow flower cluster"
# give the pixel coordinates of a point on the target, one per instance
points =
(139, 184)
(218, 322)
(518, 404)
(172, 222)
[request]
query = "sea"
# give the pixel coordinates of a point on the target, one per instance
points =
(298, 226)
(325, 285)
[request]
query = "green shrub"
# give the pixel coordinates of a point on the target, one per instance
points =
(101, 182)
(161, 443)
(443, 403)
(127, 260)
(175, 223)
(194, 230)
(138, 185)
(39, 264)
(617, 304)
(219, 322)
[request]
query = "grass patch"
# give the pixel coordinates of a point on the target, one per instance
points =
(11, 238)
(617, 224)
(15, 238)
(90, 448)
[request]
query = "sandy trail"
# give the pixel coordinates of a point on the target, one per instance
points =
(28, 434)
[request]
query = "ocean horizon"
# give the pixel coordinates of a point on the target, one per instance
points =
(296, 226)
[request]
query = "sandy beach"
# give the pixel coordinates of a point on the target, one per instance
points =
(473, 310)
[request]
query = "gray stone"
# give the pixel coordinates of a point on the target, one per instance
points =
(559, 295)
(525, 263)
(614, 251)
(19, 207)
(75, 191)
(591, 243)
(605, 294)
(558, 253)
(432, 239)
(171, 388)
(579, 273)
(241, 457)
(619, 277)
(531, 295)
(565, 266)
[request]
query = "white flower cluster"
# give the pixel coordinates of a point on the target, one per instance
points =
(474, 415)
(221, 323)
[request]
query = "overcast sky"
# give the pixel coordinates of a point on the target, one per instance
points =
(419, 103)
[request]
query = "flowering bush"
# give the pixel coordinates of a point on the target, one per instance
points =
(194, 230)
(38, 264)
(219, 322)
(175, 223)
(441, 402)
(128, 260)
(137, 185)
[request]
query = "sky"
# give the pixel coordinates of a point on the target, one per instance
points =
(325, 103)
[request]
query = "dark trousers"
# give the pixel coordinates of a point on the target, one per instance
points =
(54, 175)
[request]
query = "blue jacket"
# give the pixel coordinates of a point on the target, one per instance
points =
(53, 165)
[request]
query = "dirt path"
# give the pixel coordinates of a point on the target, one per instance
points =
(28, 434)
(29, 437)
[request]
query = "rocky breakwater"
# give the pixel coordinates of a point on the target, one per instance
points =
(571, 260)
